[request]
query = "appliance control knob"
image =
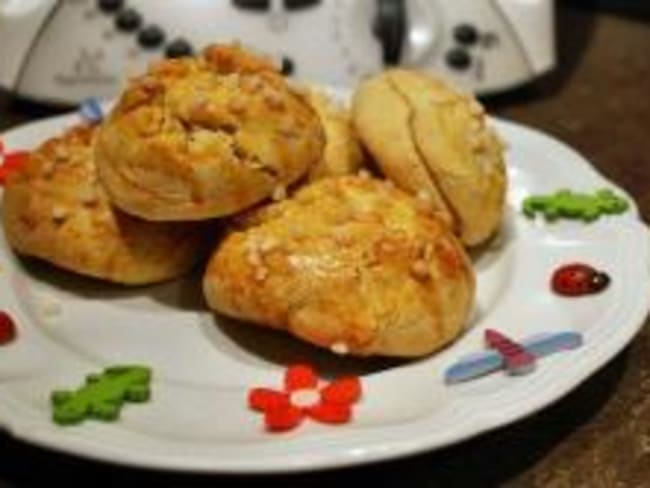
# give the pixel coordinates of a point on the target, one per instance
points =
(261, 5)
(299, 4)
(110, 6)
(128, 20)
(265, 5)
(458, 59)
(389, 26)
(288, 66)
(466, 34)
(151, 37)
(179, 48)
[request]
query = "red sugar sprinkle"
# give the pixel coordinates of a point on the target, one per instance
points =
(7, 328)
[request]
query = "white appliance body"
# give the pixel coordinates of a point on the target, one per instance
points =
(64, 51)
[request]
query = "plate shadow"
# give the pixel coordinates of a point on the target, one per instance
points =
(254, 343)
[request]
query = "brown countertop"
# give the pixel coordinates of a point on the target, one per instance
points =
(599, 435)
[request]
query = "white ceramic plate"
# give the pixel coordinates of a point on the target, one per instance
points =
(198, 420)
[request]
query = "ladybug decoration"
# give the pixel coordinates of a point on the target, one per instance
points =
(577, 279)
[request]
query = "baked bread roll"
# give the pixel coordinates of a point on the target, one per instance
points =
(342, 154)
(54, 209)
(351, 264)
(204, 137)
(434, 141)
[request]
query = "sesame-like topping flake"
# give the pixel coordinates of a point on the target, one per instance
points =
(254, 258)
(420, 270)
(387, 247)
(427, 254)
(267, 244)
(48, 169)
(340, 348)
(59, 214)
(274, 101)
(237, 106)
(60, 153)
(261, 273)
(279, 193)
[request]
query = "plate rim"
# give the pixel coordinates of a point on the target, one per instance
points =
(394, 448)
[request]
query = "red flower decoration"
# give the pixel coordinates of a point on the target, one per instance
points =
(302, 397)
(10, 162)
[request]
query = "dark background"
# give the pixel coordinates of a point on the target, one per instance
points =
(598, 100)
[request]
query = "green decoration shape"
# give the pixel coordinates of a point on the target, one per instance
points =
(103, 395)
(574, 205)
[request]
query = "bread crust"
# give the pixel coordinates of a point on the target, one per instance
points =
(342, 154)
(352, 264)
(204, 137)
(54, 209)
(424, 133)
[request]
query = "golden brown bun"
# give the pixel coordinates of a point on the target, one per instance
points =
(350, 263)
(431, 139)
(203, 137)
(343, 154)
(55, 209)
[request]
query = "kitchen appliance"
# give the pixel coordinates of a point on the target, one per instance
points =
(67, 50)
